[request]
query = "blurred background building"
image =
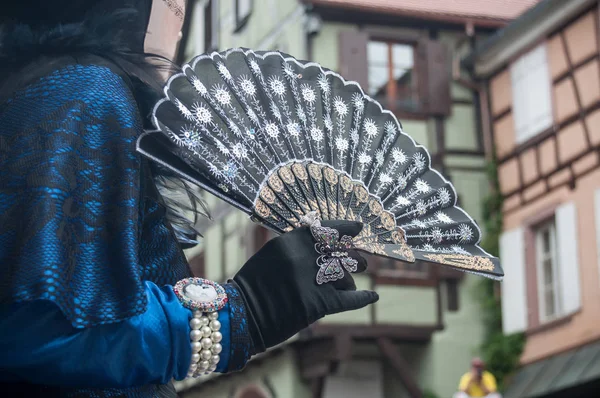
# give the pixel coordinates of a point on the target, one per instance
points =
(527, 95)
(543, 78)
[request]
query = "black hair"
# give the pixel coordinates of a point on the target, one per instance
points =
(37, 35)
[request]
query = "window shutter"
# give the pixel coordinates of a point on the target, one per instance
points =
(539, 95)
(433, 59)
(520, 102)
(514, 295)
(353, 61)
(568, 258)
(531, 83)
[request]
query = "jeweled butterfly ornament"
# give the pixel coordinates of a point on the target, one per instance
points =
(333, 250)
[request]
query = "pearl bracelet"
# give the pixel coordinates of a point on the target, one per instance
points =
(204, 298)
(205, 338)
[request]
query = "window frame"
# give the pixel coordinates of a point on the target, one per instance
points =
(550, 226)
(431, 56)
(535, 321)
(391, 86)
(390, 91)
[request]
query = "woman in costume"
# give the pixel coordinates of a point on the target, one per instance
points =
(95, 293)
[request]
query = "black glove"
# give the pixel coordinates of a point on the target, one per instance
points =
(279, 288)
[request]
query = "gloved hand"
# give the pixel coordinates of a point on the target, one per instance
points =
(279, 288)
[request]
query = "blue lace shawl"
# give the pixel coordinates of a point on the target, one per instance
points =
(81, 223)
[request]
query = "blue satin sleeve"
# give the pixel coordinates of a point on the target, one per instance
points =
(39, 345)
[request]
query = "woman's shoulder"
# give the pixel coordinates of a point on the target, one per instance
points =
(93, 88)
(69, 80)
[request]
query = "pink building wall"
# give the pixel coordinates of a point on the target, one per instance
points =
(533, 182)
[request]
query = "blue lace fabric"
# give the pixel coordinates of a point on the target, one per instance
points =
(241, 346)
(80, 222)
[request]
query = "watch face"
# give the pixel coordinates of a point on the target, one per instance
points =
(200, 294)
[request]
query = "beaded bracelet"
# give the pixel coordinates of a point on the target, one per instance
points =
(204, 298)
(206, 347)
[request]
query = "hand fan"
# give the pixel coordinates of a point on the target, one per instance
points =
(281, 138)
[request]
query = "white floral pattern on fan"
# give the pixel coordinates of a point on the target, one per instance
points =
(240, 116)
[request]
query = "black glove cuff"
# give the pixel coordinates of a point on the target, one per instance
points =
(258, 343)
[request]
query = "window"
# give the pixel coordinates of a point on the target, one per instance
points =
(406, 73)
(243, 9)
(547, 271)
(541, 260)
(391, 78)
(530, 79)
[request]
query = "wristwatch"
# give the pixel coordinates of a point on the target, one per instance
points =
(205, 298)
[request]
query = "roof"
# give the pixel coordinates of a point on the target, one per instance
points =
(569, 374)
(492, 10)
(539, 21)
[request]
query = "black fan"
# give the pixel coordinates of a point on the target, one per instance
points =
(281, 138)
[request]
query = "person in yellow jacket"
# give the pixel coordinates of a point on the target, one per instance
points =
(477, 382)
